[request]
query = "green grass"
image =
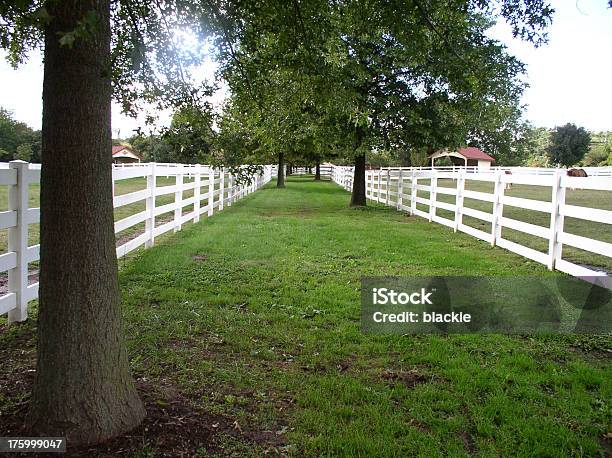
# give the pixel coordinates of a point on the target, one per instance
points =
(580, 197)
(253, 316)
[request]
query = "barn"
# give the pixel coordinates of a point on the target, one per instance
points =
(467, 157)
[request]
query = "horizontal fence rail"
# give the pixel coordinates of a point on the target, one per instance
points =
(212, 189)
(605, 171)
(402, 188)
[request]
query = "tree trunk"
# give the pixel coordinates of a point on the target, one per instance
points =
(83, 388)
(280, 176)
(358, 196)
(318, 172)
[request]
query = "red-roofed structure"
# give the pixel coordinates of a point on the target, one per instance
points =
(468, 157)
(125, 154)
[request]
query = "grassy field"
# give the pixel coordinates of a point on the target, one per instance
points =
(244, 338)
(580, 197)
(585, 198)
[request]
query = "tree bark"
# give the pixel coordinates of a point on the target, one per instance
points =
(280, 176)
(358, 196)
(318, 172)
(83, 388)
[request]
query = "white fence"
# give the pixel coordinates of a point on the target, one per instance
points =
(324, 169)
(605, 171)
(213, 189)
(399, 188)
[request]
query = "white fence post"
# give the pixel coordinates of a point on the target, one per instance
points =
(230, 189)
(211, 189)
(400, 190)
(150, 207)
(18, 242)
(413, 193)
(459, 200)
(178, 200)
(379, 185)
(498, 208)
(196, 193)
(387, 187)
(555, 248)
(221, 188)
(372, 180)
(433, 185)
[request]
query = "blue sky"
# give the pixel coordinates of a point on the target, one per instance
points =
(570, 78)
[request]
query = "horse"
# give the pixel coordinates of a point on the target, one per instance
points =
(576, 173)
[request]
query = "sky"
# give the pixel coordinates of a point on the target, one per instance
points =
(570, 78)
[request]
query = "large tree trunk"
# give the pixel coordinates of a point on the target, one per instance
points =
(358, 196)
(83, 388)
(318, 171)
(280, 176)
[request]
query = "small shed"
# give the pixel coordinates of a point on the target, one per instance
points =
(125, 154)
(468, 157)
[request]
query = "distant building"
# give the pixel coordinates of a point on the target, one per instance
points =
(125, 154)
(467, 157)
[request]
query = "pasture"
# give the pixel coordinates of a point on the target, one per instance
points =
(580, 197)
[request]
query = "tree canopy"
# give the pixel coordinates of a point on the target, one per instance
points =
(360, 77)
(568, 145)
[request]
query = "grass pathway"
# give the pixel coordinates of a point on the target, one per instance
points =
(244, 336)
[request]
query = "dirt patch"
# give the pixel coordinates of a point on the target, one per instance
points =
(174, 426)
(468, 443)
(199, 257)
(409, 379)
(606, 443)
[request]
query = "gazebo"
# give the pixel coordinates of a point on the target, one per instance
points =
(468, 157)
(125, 154)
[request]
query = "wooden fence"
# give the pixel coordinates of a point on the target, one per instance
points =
(213, 190)
(399, 188)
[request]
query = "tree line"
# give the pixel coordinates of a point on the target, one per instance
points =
(18, 140)
(566, 145)
(192, 138)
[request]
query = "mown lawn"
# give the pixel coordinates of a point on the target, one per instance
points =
(244, 337)
(581, 197)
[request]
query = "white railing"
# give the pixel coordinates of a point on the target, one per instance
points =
(399, 188)
(324, 169)
(213, 189)
(605, 171)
